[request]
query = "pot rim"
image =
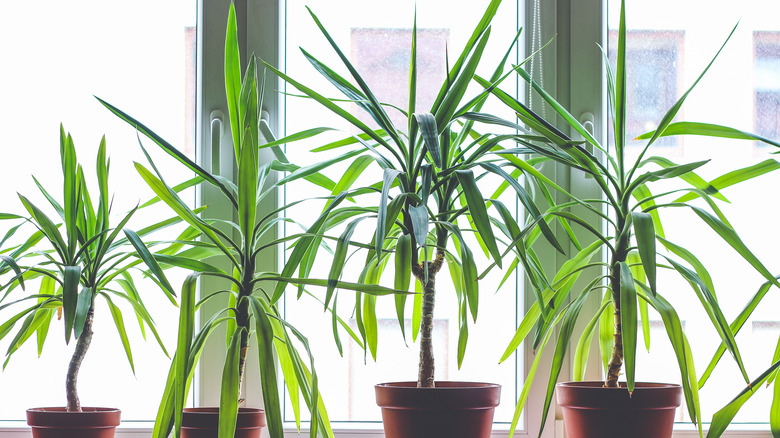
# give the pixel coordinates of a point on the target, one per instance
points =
(64, 410)
(448, 385)
(622, 385)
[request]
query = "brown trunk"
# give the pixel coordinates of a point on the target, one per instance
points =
(425, 373)
(426, 367)
(82, 345)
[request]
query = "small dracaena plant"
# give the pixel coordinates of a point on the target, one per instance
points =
(79, 258)
(432, 173)
(250, 311)
(630, 209)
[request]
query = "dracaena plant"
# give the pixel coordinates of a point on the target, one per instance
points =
(438, 181)
(635, 245)
(250, 311)
(78, 258)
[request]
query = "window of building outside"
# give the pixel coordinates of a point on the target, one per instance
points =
(766, 53)
(654, 62)
(666, 53)
(54, 57)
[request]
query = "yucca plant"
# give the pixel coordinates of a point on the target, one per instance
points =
(250, 306)
(438, 181)
(78, 258)
(631, 239)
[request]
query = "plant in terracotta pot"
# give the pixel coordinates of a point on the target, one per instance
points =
(636, 248)
(427, 188)
(74, 261)
(249, 309)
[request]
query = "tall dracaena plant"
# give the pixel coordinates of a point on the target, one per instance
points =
(634, 233)
(85, 260)
(431, 205)
(250, 310)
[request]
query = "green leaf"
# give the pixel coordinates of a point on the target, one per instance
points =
(730, 236)
(119, 322)
(667, 118)
(70, 296)
(628, 322)
(265, 349)
(570, 315)
(478, 212)
(403, 276)
(370, 324)
(339, 256)
(303, 246)
(735, 327)
(169, 197)
(247, 189)
(148, 259)
(82, 308)
(723, 417)
(228, 397)
(645, 239)
(172, 151)
(583, 345)
(427, 124)
(233, 78)
(381, 223)
(682, 352)
(706, 129)
(48, 228)
(737, 176)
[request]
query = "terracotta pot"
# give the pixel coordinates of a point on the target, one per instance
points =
(592, 411)
(452, 409)
(59, 423)
(204, 423)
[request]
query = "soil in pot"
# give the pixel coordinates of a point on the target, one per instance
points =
(204, 423)
(592, 411)
(58, 423)
(452, 409)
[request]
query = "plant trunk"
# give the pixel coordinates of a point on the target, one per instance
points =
(622, 245)
(82, 345)
(426, 366)
(242, 320)
(425, 373)
(616, 363)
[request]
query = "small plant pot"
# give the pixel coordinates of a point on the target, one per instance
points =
(59, 423)
(204, 423)
(592, 411)
(452, 409)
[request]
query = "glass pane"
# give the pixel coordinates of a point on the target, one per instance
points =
(665, 54)
(55, 57)
(376, 36)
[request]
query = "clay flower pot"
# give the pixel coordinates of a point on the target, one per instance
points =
(592, 411)
(452, 409)
(58, 423)
(204, 423)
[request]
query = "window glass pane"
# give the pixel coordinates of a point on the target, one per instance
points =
(55, 56)
(665, 54)
(376, 36)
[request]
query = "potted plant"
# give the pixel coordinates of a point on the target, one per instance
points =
(250, 312)
(84, 260)
(431, 173)
(631, 239)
